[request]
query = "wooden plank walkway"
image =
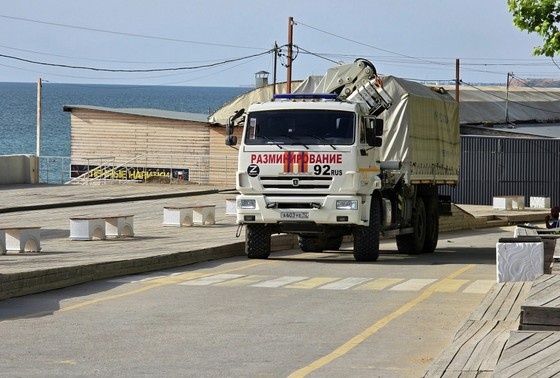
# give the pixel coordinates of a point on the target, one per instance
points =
(513, 333)
(541, 310)
(503, 302)
(530, 354)
(478, 345)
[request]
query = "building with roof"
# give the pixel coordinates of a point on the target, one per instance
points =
(510, 140)
(148, 144)
(517, 112)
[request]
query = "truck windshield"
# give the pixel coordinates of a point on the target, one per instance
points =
(307, 127)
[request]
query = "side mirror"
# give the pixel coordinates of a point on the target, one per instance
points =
(231, 140)
(374, 132)
(377, 126)
(229, 126)
(373, 140)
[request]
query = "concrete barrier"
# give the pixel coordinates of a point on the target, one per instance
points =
(19, 169)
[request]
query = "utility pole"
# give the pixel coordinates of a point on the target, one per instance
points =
(457, 80)
(275, 63)
(507, 94)
(290, 55)
(39, 85)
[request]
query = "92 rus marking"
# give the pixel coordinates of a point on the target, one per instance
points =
(325, 170)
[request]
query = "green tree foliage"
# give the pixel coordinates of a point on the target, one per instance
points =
(541, 17)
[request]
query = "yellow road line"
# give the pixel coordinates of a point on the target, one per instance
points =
(452, 286)
(361, 337)
(152, 284)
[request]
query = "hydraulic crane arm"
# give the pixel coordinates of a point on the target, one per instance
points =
(356, 81)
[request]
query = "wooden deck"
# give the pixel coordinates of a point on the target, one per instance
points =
(513, 333)
(478, 345)
(541, 310)
(530, 354)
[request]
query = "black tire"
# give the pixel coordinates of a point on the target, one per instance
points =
(432, 225)
(333, 244)
(257, 241)
(366, 238)
(311, 244)
(413, 243)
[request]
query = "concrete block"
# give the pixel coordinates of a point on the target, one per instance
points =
(87, 228)
(519, 261)
(187, 215)
(231, 206)
(539, 202)
(20, 239)
(508, 202)
(119, 226)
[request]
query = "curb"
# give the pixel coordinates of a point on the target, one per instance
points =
(56, 205)
(20, 284)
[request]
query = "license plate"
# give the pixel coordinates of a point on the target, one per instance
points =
(294, 215)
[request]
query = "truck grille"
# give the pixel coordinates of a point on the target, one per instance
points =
(296, 182)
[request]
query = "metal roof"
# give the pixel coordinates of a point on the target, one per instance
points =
(530, 111)
(546, 130)
(261, 94)
(158, 113)
(492, 104)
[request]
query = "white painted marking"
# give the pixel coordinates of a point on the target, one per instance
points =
(280, 281)
(479, 287)
(414, 284)
(345, 283)
(210, 280)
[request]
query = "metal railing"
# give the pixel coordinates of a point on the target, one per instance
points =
(147, 168)
(54, 169)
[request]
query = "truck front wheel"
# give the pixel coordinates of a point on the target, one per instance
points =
(257, 241)
(366, 238)
(413, 243)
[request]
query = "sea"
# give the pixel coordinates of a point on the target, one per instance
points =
(18, 109)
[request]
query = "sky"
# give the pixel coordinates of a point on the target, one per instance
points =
(224, 43)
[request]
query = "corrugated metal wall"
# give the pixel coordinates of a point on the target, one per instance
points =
(497, 166)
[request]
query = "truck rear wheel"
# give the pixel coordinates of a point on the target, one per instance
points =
(366, 238)
(432, 225)
(333, 244)
(413, 243)
(311, 243)
(319, 243)
(257, 241)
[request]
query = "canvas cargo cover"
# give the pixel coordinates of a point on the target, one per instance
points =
(421, 131)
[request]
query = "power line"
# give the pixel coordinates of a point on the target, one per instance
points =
(135, 70)
(425, 60)
(93, 59)
(316, 54)
(367, 45)
(126, 34)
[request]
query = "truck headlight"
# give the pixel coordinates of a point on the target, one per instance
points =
(247, 204)
(346, 204)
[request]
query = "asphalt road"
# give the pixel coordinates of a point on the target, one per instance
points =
(295, 314)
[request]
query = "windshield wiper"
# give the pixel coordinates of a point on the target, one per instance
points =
(271, 141)
(293, 144)
(320, 140)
